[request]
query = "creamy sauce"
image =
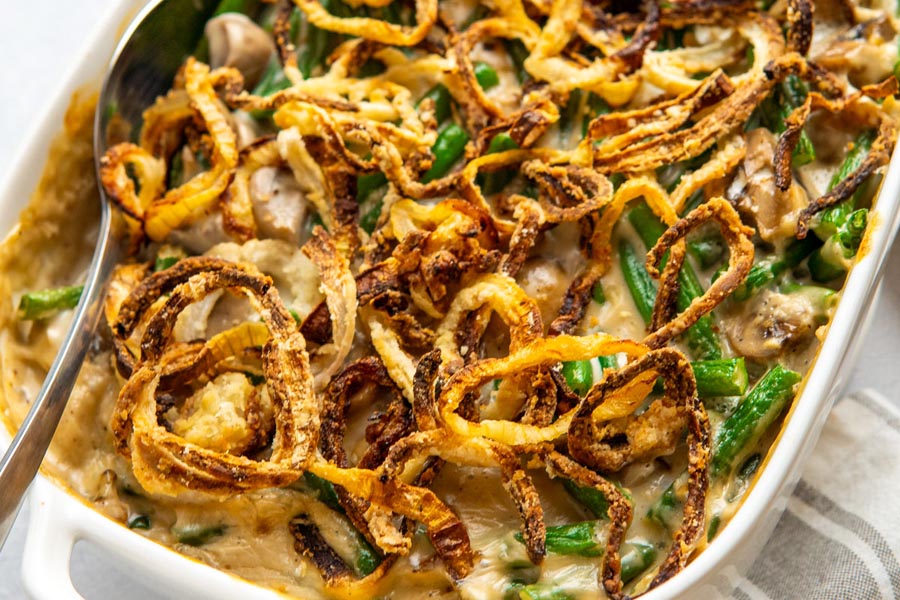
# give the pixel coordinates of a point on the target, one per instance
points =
(247, 534)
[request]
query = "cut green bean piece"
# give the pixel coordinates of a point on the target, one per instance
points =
(752, 417)
(579, 375)
(517, 54)
(830, 220)
(46, 303)
(492, 183)
(324, 491)
(591, 498)
(367, 560)
(441, 96)
(366, 184)
(767, 270)
(722, 377)
(597, 293)
(449, 147)
(164, 262)
(485, 75)
(637, 556)
(701, 337)
(138, 522)
(577, 538)
(537, 591)
(369, 220)
(833, 258)
(713, 529)
(197, 535)
(666, 512)
(639, 282)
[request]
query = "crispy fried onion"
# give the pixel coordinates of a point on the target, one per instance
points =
(857, 107)
(664, 325)
(165, 463)
(237, 208)
(374, 29)
(179, 206)
(655, 432)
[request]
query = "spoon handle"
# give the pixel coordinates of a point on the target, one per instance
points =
(23, 458)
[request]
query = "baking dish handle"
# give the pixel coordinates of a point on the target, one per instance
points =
(52, 533)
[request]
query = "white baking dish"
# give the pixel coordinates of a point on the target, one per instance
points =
(59, 519)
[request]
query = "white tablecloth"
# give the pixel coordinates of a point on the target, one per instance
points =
(42, 40)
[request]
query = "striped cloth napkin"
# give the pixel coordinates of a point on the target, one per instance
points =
(840, 535)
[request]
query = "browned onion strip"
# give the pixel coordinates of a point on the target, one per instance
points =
(182, 204)
(374, 29)
(541, 352)
(626, 127)
(619, 512)
(575, 191)
(309, 542)
(339, 288)
(133, 309)
(446, 531)
(237, 207)
(815, 101)
(879, 154)
(367, 371)
(680, 395)
(800, 25)
(155, 452)
(150, 173)
(409, 453)
(737, 237)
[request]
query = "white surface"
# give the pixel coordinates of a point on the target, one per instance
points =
(41, 43)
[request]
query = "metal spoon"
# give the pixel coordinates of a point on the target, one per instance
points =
(143, 66)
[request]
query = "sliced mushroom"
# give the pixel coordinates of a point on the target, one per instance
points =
(773, 211)
(772, 323)
(279, 205)
(236, 41)
(866, 52)
(201, 235)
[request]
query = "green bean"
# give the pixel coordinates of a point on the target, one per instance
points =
(701, 337)
(708, 250)
(722, 377)
(598, 294)
(767, 270)
(164, 262)
(536, 591)
(830, 220)
(832, 259)
(518, 53)
(793, 94)
(367, 560)
(639, 282)
(449, 147)
(369, 220)
(366, 184)
(579, 375)
(324, 490)
(485, 75)
(713, 529)
(752, 417)
(197, 535)
(575, 538)
(492, 183)
(441, 96)
(666, 511)
(46, 303)
(637, 556)
(138, 521)
(591, 498)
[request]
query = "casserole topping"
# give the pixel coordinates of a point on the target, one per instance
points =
(492, 300)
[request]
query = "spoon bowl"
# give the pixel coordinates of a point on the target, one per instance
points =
(142, 67)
